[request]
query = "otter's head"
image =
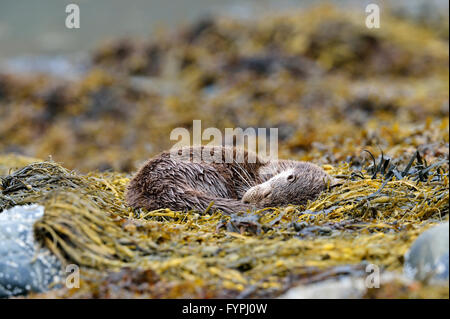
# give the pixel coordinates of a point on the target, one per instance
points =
(295, 185)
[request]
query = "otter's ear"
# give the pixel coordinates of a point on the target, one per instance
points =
(291, 177)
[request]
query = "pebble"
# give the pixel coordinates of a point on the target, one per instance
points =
(24, 265)
(427, 259)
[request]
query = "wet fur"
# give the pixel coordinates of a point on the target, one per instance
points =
(182, 185)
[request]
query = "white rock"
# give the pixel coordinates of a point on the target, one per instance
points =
(427, 258)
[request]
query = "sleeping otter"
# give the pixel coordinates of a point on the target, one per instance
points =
(185, 179)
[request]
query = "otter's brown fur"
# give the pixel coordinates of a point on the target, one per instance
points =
(182, 184)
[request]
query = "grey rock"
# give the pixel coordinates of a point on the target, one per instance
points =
(24, 266)
(343, 288)
(347, 287)
(427, 259)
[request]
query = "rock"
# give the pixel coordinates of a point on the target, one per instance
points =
(343, 288)
(427, 259)
(24, 266)
(346, 287)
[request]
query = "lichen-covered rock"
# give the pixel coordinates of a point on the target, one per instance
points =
(428, 257)
(24, 266)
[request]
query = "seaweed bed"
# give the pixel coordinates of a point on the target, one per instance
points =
(332, 87)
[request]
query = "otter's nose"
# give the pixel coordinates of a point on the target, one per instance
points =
(246, 198)
(249, 196)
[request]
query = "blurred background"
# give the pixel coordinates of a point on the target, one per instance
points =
(107, 95)
(37, 27)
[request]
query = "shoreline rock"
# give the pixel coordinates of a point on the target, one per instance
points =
(24, 266)
(427, 259)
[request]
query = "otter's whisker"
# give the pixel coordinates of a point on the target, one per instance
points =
(243, 179)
